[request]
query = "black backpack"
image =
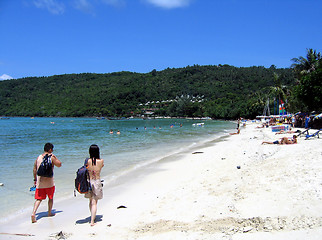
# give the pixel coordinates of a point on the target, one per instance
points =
(46, 167)
(82, 184)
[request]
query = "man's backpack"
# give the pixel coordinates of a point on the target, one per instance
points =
(46, 167)
(82, 184)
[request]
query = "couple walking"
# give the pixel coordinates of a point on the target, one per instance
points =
(45, 186)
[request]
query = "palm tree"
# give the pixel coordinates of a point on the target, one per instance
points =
(303, 66)
(309, 74)
(278, 91)
(259, 100)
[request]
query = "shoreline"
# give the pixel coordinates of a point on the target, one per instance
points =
(112, 179)
(275, 193)
(122, 153)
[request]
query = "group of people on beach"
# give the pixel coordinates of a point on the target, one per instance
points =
(282, 141)
(45, 186)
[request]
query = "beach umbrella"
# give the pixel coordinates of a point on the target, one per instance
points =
(318, 116)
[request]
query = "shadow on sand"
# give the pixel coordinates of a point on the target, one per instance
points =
(88, 219)
(45, 214)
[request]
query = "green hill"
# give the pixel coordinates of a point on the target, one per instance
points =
(221, 91)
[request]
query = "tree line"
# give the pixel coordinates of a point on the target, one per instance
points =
(216, 91)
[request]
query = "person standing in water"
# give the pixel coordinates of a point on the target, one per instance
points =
(94, 166)
(45, 186)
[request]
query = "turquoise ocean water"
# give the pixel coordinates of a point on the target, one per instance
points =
(141, 142)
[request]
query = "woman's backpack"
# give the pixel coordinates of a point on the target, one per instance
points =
(82, 184)
(46, 167)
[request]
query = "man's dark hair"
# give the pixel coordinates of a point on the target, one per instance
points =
(48, 146)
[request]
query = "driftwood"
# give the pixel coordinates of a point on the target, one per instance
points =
(196, 152)
(19, 234)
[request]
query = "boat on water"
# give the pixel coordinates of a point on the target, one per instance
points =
(198, 124)
(116, 118)
(4, 118)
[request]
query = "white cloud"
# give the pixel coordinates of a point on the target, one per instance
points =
(52, 6)
(84, 6)
(88, 6)
(5, 77)
(170, 3)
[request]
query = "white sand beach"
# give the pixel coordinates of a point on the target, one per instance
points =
(233, 189)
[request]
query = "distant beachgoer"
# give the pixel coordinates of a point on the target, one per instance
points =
(111, 131)
(94, 167)
(118, 132)
(238, 132)
(45, 186)
(289, 131)
(263, 125)
(283, 141)
(293, 121)
(307, 120)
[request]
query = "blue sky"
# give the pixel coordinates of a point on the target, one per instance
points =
(52, 37)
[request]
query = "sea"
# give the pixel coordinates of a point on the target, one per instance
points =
(141, 143)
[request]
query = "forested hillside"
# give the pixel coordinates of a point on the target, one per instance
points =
(221, 91)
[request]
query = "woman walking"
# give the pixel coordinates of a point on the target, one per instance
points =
(94, 167)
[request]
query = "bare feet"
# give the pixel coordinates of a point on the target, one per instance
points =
(93, 224)
(51, 214)
(33, 219)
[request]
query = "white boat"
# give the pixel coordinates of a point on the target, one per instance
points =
(198, 124)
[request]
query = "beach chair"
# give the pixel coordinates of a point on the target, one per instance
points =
(304, 133)
(317, 133)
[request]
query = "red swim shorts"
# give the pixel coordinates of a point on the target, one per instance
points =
(41, 193)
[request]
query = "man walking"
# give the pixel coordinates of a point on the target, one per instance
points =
(45, 186)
